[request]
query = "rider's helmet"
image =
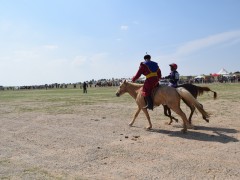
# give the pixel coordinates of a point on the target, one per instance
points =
(147, 57)
(174, 66)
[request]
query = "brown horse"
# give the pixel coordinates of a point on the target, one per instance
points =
(195, 91)
(163, 95)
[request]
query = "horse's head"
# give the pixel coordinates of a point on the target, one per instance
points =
(122, 88)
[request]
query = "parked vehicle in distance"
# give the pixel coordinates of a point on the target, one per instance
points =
(163, 82)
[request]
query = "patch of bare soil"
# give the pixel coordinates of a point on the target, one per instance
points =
(97, 143)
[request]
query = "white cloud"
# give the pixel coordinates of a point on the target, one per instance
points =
(50, 46)
(5, 25)
(212, 40)
(98, 60)
(180, 52)
(94, 60)
(135, 22)
(124, 27)
(79, 60)
(25, 55)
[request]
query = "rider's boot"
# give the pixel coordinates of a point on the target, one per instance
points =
(149, 102)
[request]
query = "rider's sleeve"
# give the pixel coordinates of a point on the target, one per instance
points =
(168, 77)
(159, 73)
(139, 73)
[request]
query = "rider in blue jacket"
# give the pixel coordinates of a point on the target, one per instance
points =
(174, 75)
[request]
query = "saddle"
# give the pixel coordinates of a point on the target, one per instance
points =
(154, 90)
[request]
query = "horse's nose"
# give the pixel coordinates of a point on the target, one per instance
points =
(117, 94)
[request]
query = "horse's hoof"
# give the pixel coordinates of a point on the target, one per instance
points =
(195, 128)
(184, 131)
(148, 128)
(130, 124)
(191, 127)
(206, 119)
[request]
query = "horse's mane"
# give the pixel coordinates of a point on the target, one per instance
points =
(136, 84)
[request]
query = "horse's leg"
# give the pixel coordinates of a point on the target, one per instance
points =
(170, 114)
(179, 111)
(192, 108)
(190, 116)
(206, 119)
(167, 112)
(135, 116)
(192, 111)
(148, 118)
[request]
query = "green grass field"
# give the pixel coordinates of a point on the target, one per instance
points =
(61, 100)
(57, 100)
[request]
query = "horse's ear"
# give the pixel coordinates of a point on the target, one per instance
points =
(125, 81)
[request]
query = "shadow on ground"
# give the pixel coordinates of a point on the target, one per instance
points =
(217, 134)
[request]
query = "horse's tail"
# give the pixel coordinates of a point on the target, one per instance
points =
(191, 100)
(201, 90)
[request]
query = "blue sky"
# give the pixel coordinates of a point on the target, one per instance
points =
(68, 41)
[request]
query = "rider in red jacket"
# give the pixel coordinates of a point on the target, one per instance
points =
(151, 70)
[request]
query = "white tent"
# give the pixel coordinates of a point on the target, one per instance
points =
(199, 77)
(223, 72)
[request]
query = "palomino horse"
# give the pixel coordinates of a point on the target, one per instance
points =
(195, 91)
(163, 95)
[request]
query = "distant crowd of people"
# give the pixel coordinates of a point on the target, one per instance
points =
(153, 78)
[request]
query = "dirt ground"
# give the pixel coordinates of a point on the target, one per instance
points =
(96, 142)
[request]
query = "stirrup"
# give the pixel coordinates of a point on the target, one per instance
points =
(146, 107)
